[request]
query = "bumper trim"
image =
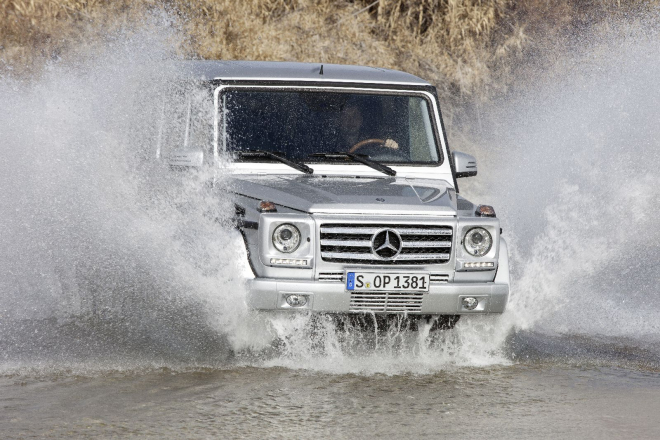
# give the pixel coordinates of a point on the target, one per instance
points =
(270, 294)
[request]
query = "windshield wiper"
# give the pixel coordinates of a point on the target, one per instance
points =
(262, 153)
(359, 158)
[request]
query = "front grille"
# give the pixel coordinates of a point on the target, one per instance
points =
(439, 278)
(351, 243)
(386, 302)
(331, 276)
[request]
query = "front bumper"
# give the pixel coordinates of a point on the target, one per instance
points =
(332, 297)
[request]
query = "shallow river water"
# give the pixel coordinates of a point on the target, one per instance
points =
(122, 310)
(517, 401)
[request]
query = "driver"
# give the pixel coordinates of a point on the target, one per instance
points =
(352, 131)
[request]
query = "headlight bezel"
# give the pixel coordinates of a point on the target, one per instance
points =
(468, 263)
(302, 257)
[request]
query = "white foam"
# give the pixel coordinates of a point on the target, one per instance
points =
(573, 172)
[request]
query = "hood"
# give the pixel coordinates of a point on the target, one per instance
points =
(350, 194)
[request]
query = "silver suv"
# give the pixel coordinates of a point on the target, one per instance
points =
(346, 192)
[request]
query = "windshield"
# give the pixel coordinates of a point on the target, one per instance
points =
(391, 128)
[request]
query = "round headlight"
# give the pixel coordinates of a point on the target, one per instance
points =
(478, 242)
(286, 238)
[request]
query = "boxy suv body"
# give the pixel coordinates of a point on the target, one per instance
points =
(346, 192)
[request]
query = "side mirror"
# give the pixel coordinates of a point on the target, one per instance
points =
(465, 165)
(186, 158)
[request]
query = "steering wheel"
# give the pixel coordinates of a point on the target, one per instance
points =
(367, 142)
(380, 151)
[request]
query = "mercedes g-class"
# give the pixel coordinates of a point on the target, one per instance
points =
(346, 192)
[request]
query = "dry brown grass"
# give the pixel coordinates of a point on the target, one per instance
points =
(456, 44)
(449, 42)
(468, 48)
(34, 31)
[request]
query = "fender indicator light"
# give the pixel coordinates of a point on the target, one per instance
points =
(485, 211)
(266, 206)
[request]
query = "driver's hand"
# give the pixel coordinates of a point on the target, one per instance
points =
(391, 143)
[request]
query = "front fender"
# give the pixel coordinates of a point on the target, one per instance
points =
(502, 276)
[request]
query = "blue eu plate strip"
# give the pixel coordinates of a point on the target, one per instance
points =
(350, 281)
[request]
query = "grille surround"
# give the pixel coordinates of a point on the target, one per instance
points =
(352, 243)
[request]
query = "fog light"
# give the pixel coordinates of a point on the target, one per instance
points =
(296, 300)
(469, 303)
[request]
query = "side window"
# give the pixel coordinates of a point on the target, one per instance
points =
(422, 145)
(172, 122)
(186, 121)
(200, 120)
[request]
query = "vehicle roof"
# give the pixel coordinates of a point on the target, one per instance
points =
(290, 71)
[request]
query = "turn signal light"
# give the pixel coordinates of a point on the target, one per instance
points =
(265, 206)
(288, 261)
(485, 211)
(479, 264)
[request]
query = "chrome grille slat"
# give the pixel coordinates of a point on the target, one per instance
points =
(370, 257)
(406, 244)
(439, 278)
(346, 256)
(386, 302)
(350, 243)
(399, 297)
(426, 244)
(331, 276)
(373, 230)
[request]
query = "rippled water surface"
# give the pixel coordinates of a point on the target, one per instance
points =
(122, 309)
(520, 401)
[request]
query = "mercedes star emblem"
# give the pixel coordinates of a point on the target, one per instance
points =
(386, 243)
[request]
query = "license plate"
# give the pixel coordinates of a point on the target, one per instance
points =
(392, 282)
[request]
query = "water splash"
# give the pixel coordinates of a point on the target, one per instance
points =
(574, 163)
(108, 256)
(320, 343)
